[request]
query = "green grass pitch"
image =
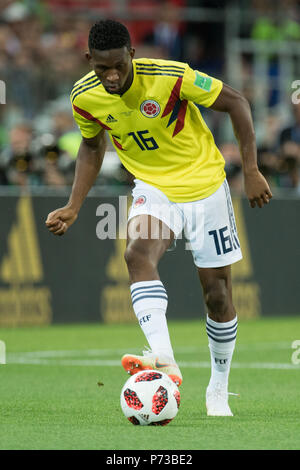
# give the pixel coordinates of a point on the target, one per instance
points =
(49, 397)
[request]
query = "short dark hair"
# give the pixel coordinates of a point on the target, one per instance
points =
(109, 34)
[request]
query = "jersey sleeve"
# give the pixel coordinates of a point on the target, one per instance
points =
(88, 126)
(200, 87)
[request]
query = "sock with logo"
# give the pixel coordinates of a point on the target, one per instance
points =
(150, 301)
(221, 342)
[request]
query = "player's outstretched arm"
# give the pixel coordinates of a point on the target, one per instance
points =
(234, 103)
(88, 164)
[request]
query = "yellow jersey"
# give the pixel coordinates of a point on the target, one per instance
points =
(155, 126)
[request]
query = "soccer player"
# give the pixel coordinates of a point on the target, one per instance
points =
(147, 107)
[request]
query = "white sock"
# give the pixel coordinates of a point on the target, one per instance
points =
(221, 342)
(150, 301)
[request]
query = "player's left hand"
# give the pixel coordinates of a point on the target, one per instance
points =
(257, 189)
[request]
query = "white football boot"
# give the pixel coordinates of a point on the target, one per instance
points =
(133, 364)
(217, 400)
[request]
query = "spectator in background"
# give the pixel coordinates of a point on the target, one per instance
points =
(30, 160)
(68, 140)
(289, 166)
(271, 24)
(56, 150)
(16, 160)
(292, 132)
(166, 33)
(289, 152)
(267, 152)
(275, 22)
(33, 57)
(49, 170)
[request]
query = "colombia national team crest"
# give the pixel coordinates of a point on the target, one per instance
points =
(150, 108)
(139, 201)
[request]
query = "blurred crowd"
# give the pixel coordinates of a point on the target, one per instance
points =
(42, 45)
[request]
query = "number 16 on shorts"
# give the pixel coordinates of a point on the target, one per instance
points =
(224, 242)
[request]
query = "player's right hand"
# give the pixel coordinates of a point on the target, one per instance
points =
(60, 220)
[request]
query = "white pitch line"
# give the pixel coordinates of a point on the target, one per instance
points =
(116, 363)
(64, 357)
(106, 352)
(68, 353)
(244, 365)
(92, 352)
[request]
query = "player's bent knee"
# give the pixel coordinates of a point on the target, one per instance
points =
(217, 299)
(136, 257)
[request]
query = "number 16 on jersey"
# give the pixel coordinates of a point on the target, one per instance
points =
(145, 143)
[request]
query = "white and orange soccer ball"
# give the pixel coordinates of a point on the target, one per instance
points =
(150, 397)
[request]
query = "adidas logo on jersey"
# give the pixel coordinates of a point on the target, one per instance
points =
(110, 118)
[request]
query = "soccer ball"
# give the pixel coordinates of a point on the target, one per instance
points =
(150, 397)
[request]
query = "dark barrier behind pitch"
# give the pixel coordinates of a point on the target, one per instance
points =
(79, 278)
